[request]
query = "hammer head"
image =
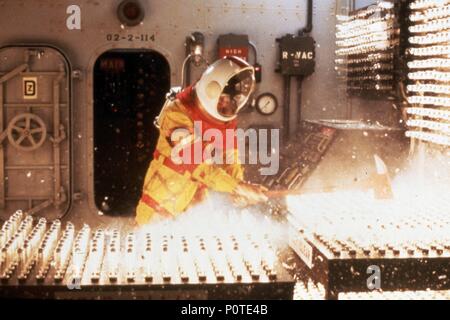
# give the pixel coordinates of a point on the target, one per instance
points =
(381, 180)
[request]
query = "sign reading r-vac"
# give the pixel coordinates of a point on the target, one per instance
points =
(297, 55)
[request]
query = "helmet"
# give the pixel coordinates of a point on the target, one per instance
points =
(225, 88)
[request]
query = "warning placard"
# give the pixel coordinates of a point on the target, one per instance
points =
(30, 88)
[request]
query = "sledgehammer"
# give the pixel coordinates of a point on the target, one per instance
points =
(380, 182)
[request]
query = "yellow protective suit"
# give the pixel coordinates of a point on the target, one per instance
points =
(168, 189)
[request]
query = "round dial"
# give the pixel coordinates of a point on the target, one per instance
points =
(266, 104)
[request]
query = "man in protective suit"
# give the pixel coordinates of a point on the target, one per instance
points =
(171, 186)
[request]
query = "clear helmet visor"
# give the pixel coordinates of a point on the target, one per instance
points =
(236, 94)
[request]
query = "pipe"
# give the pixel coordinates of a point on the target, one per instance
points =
(287, 107)
(185, 75)
(307, 29)
(195, 44)
(187, 68)
(299, 99)
(255, 51)
(309, 19)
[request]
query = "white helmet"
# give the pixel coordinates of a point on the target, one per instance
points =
(225, 87)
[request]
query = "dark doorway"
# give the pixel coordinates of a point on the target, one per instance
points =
(129, 92)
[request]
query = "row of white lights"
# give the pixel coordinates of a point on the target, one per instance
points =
(434, 19)
(377, 77)
(368, 227)
(374, 57)
(381, 26)
(441, 37)
(429, 137)
(425, 4)
(432, 26)
(434, 88)
(436, 101)
(430, 14)
(370, 11)
(376, 66)
(375, 37)
(364, 23)
(366, 48)
(369, 35)
(396, 295)
(442, 50)
(430, 113)
(430, 75)
(376, 87)
(434, 63)
(431, 125)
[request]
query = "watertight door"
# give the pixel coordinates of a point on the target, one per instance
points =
(34, 131)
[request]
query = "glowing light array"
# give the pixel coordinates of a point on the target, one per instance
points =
(436, 101)
(425, 4)
(364, 29)
(433, 26)
(309, 291)
(436, 38)
(63, 253)
(430, 113)
(9, 256)
(396, 295)
(313, 292)
(429, 63)
(113, 256)
(433, 13)
(429, 137)
(434, 88)
(9, 228)
(47, 248)
(376, 77)
(364, 48)
(431, 51)
(28, 251)
(432, 125)
(411, 226)
(80, 253)
(429, 77)
(374, 37)
(370, 11)
(96, 255)
(365, 41)
(378, 87)
(376, 66)
(375, 57)
(168, 253)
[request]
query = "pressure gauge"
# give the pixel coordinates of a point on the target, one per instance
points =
(266, 104)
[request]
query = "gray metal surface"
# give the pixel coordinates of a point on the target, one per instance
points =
(44, 22)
